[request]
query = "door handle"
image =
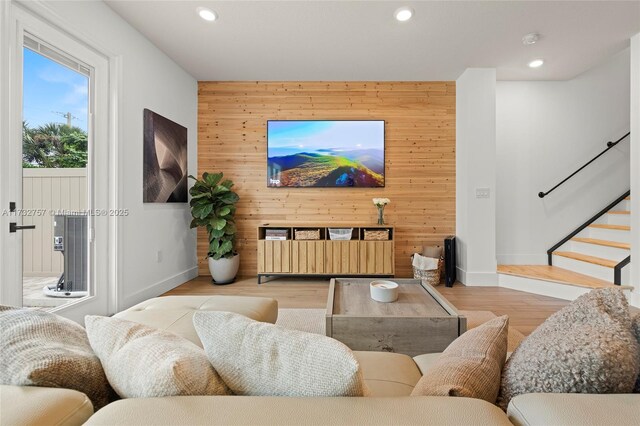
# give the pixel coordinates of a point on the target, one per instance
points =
(13, 227)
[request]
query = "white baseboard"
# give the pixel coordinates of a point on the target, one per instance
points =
(543, 288)
(155, 290)
(522, 259)
(477, 279)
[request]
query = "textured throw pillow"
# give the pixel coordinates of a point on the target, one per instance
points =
(255, 358)
(38, 348)
(586, 347)
(471, 365)
(143, 362)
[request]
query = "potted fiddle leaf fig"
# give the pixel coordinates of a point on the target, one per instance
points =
(213, 206)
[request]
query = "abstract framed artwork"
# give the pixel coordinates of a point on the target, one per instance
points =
(165, 160)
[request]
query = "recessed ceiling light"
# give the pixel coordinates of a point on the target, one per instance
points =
(403, 14)
(531, 38)
(207, 14)
(536, 63)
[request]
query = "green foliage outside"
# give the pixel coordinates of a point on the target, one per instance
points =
(53, 145)
(213, 208)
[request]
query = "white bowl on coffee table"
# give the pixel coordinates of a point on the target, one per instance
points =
(384, 291)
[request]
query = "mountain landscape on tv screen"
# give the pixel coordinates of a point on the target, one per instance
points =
(325, 153)
(356, 168)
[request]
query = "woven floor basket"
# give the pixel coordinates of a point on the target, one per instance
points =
(431, 277)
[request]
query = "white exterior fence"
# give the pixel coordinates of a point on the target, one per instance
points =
(45, 191)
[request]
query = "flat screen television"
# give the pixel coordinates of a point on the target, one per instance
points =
(324, 153)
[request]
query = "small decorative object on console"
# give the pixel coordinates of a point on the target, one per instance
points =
(380, 203)
(384, 291)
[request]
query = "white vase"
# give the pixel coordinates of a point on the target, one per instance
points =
(224, 271)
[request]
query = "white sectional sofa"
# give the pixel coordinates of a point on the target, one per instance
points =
(390, 378)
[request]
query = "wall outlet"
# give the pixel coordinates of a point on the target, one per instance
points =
(483, 193)
(159, 256)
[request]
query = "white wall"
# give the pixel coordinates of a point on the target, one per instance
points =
(147, 79)
(476, 168)
(545, 131)
(635, 168)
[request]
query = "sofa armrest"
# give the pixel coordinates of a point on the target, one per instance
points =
(574, 409)
(32, 405)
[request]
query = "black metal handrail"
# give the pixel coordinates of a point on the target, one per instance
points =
(584, 225)
(617, 270)
(609, 146)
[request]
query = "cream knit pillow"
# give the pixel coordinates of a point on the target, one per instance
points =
(143, 362)
(255, 358)
(38, 348)
(471, 365)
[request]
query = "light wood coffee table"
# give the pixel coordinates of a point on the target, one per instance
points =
(420, 321)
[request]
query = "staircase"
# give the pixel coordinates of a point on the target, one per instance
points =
(596, 255)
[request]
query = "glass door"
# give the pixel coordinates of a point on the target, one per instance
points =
(58, 173)
(55, 142)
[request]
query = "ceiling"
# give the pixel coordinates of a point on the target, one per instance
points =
(361, 40)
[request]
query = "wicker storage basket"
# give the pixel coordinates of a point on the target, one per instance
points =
(376, 234)
(431, 277)
(307, 234)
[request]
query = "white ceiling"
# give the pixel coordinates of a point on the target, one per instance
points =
(360, 40)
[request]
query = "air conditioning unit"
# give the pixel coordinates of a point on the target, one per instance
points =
(71, 237)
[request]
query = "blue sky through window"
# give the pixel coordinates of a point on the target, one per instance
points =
(49, 88)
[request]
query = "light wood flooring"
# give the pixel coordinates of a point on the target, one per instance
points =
(526, 311)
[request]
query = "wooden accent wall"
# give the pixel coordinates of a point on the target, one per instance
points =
(420, 157)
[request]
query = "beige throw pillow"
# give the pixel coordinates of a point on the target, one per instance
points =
(471, 365)
(38, 348)
(143, 362)
(586, 347)
(255, 358)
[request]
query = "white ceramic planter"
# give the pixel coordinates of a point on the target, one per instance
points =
(224, 271)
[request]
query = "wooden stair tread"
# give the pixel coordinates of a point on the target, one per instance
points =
(556, 275)
(615, 244)
(607, 226)
(619, 212)
(586, 258)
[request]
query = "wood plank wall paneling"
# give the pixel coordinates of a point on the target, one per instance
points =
(420, 157)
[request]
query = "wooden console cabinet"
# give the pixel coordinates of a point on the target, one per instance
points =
(323, 256)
